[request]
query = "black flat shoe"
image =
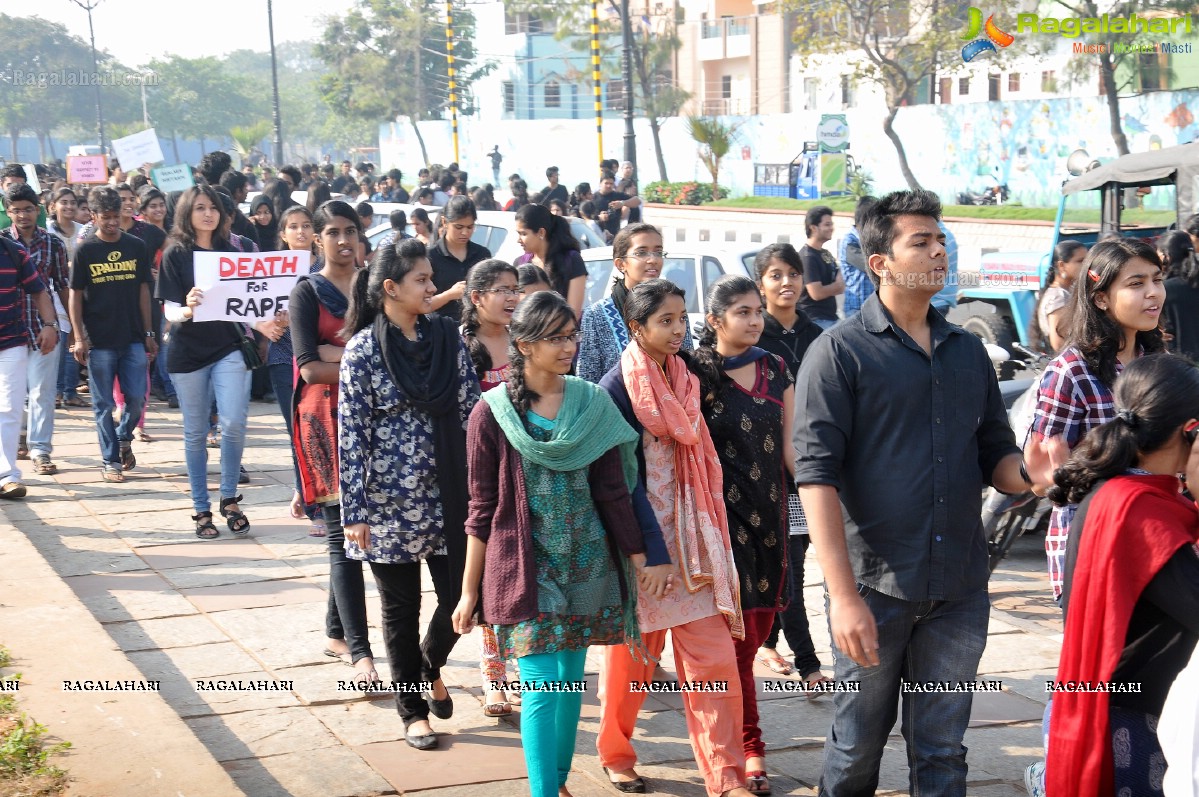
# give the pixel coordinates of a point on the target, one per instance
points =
(426, 742)
(636, 786)
(442, 709)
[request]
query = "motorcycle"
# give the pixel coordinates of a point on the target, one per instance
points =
(995, 195)
(1007, 517)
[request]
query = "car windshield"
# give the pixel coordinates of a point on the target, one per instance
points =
(679, 270)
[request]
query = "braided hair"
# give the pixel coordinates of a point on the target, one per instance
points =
(705, 362)
(481, 277)
(543, 314)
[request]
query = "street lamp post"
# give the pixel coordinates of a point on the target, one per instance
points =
(270, 21)
(88, 6)
(630, 138)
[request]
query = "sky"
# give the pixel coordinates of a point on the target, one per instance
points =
(136, 31)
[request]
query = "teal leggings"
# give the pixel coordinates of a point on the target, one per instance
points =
(550, 720)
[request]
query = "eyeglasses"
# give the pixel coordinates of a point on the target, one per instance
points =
(504, 291)
(23, 211)
(560, 340)
(647, 254)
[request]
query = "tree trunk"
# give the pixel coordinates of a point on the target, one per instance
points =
(15, 135)
(654, 128)
(889, 130)
(50, 141)
(1107, 80)
(424, 153)
(203, 151)
(175, 146)
(41, 146)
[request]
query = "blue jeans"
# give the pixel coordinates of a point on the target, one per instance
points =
(549, 721)
(68, 373)
(128, 367)
(228, 381)
(919, 642)
(43, 379)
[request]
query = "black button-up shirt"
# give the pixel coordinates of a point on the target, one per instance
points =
(448, 271)
(909, 441)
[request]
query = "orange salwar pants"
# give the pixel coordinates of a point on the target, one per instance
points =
(703, 652)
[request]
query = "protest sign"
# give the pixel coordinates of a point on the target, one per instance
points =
(87, 169)
(172, 178)
(138, 149)
(247, 287)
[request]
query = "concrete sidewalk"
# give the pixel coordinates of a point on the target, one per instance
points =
(106, 582)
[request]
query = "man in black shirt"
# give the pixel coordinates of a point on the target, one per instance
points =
(610, 203)
(553, 190)
(821, 276)
(899, 424)
(110, 312)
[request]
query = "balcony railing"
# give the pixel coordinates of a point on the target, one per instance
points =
(712, 30)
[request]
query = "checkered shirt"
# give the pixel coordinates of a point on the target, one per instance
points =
(48, 254)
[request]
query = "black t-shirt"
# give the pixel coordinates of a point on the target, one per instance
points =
(602, 201)
(194, 344)
(153, 237)
(557, 192)
(819, 265)
(111, 276)
(1181, 317)
(629, 186)
(572, 267)
(449, 270)
(400, 195)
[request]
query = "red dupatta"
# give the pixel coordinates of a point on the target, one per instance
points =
(1135, 524)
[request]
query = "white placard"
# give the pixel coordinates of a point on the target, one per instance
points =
(173, 178)
(138, 149)
(246, 287)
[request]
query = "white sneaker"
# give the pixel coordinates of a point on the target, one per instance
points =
(1034, 779)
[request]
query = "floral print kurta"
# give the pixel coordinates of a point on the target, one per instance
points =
(388, 470)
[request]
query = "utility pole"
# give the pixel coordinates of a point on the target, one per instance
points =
(88, 6)
(270, 21)
(630, 138)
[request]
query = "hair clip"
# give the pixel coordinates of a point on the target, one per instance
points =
(1094, 275)
(1129, 417)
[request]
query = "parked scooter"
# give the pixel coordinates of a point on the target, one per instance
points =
(995, 195)
(1006, 517)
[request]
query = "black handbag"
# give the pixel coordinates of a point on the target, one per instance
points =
(249, 352)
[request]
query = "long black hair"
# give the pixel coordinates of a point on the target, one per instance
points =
(366, 296)
(1092, 331)
(1155, 396)
(543, 314)
(280, 193)
(706, 362)
(531, 274)
(318, 194)
(184, 234)
(645, 299)
(560, 241)
(1039, 338)
(334, 208)
(481, 277)
(1178, 248)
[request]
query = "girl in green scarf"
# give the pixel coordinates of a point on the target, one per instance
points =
(551, 464)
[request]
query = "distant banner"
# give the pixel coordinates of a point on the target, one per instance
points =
(87, 169)
(138, 149)
(246, 287)
(173, 178)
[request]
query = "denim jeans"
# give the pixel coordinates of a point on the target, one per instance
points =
(919, 642)
(412, 660)
(228, 381)
(160, 375)
(68, 372)
(128, 367)
(345, 617)
(43, 382)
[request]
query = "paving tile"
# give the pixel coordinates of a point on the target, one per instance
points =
(327, 772)
(171, 632)
(196, 552)
(317, 683)
(259, 733)
(251, 595)
(279, 636)
(362, 722)
(1033, 652)
(478, 758)
(141, 595)
(1001, 708)
(84, 554)
(227, 694)
(215, 575)
(197, 661)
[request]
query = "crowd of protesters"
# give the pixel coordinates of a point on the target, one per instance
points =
(600, 476)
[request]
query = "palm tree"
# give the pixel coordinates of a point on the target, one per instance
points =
(715, 139)
(246, 138)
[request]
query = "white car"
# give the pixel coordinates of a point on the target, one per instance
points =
(692, 271)
(495, 230)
